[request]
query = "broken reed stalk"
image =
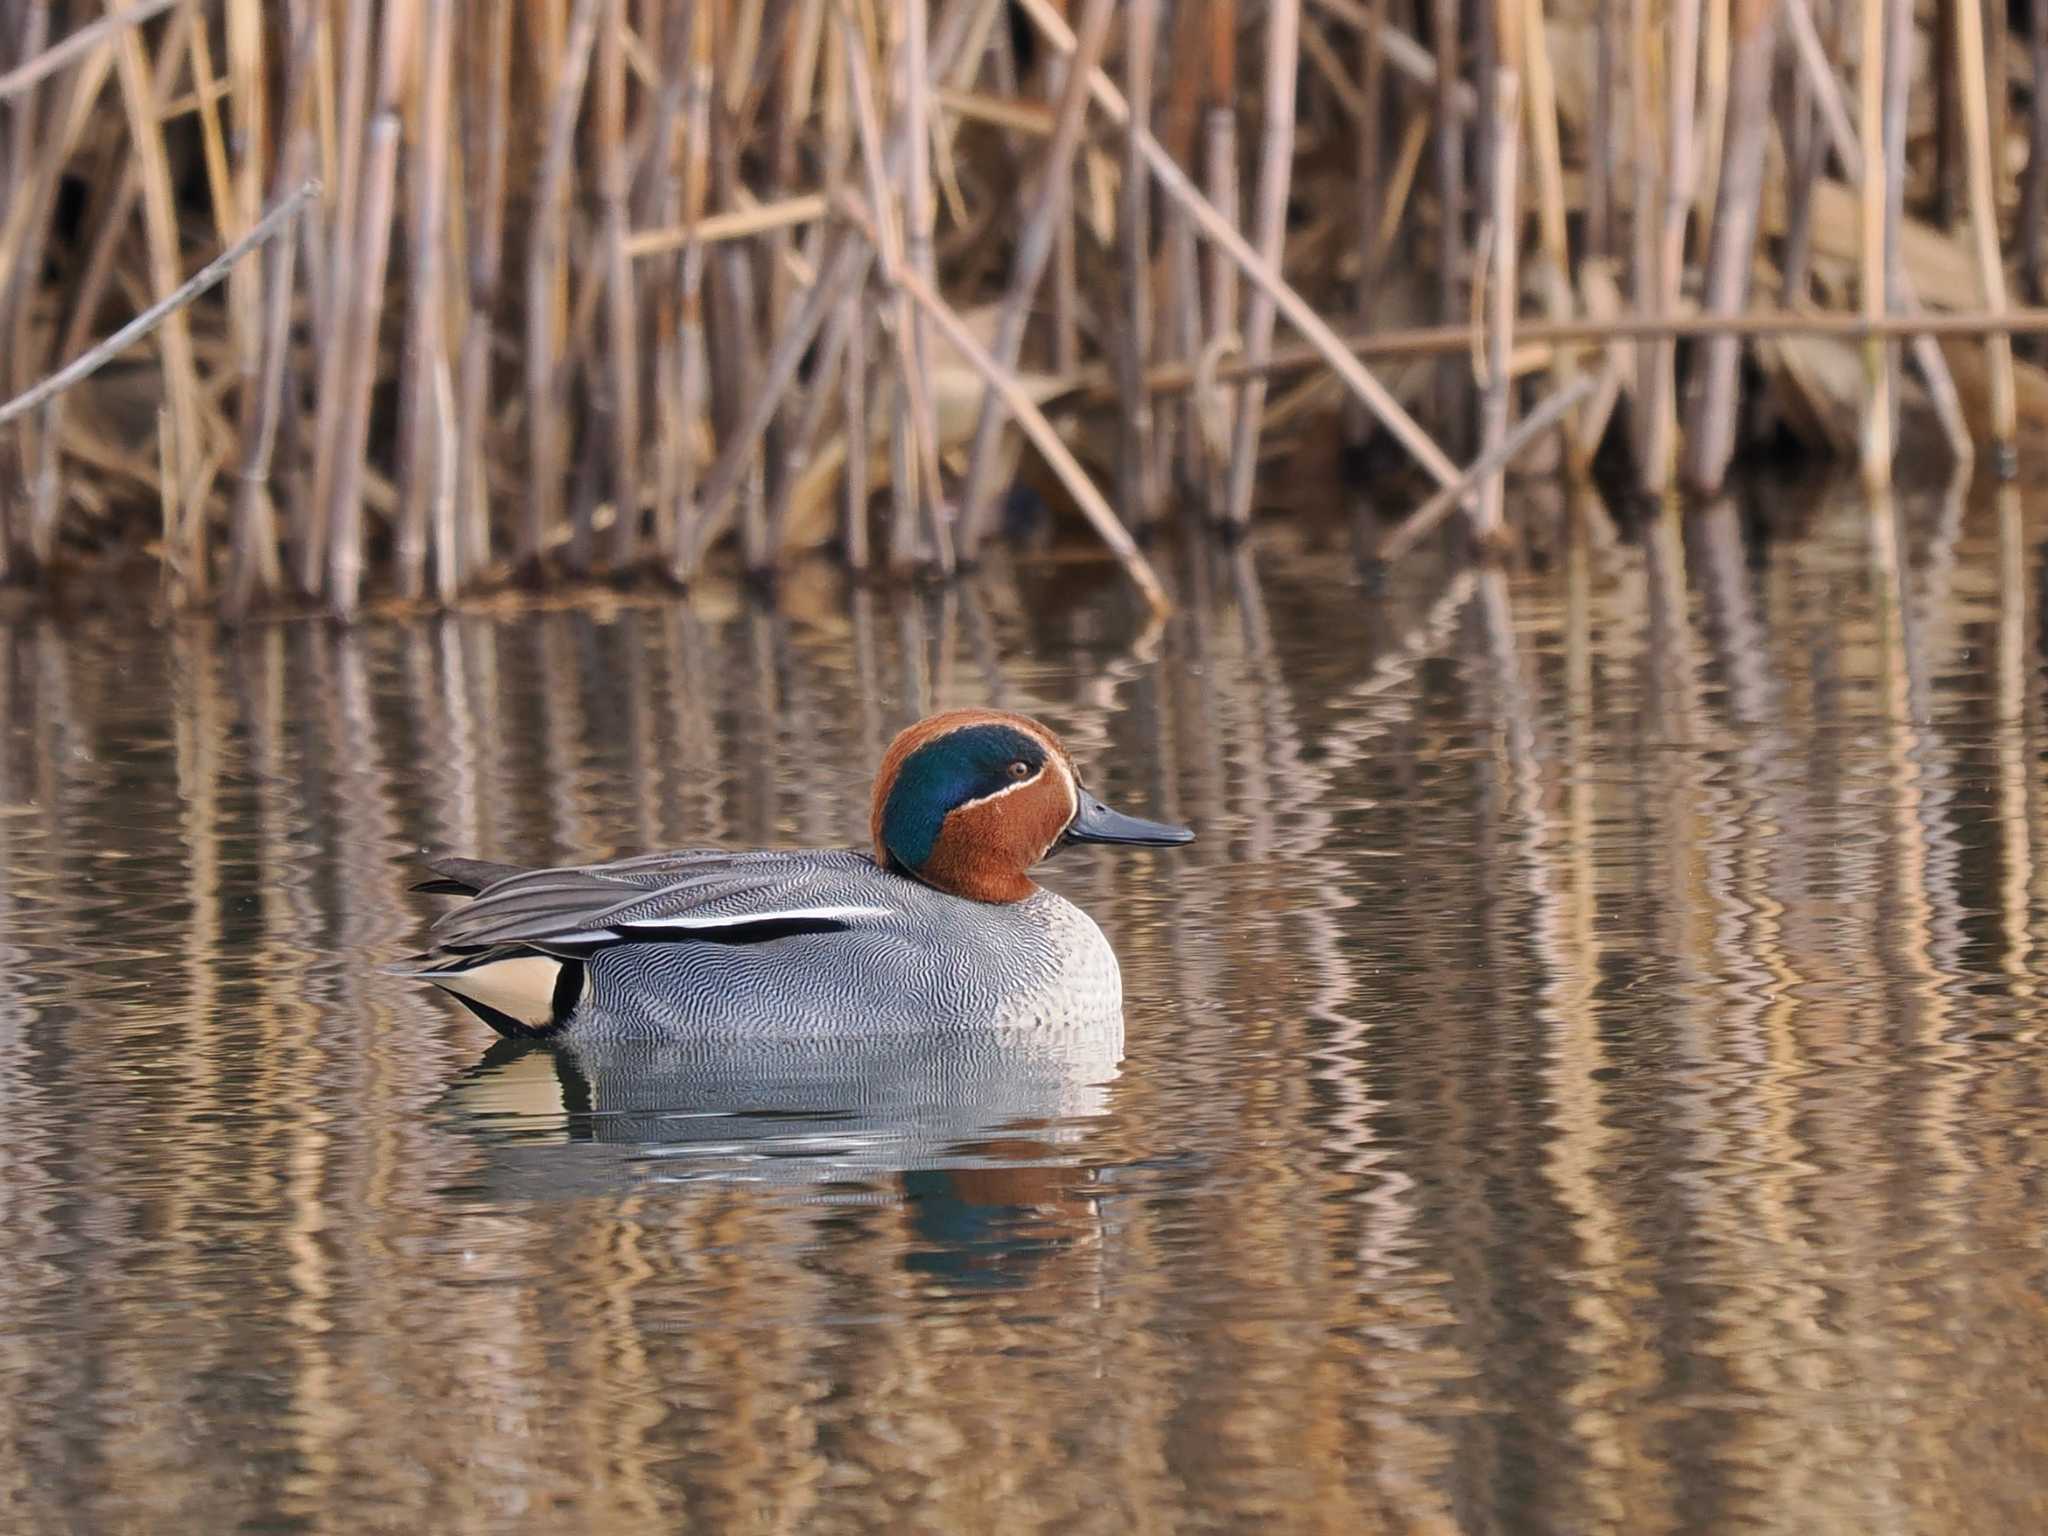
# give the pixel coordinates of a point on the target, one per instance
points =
(146, 323)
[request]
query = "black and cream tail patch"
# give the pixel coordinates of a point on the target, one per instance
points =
(523, 995)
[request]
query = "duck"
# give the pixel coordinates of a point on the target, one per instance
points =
(936, 923)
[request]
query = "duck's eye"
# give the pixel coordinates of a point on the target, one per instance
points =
(1020, 770)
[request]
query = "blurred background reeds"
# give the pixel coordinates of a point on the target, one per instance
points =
(612, 288)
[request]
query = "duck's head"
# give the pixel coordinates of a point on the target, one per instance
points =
(967, 801)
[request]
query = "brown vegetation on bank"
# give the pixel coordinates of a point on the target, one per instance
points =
(597, 287)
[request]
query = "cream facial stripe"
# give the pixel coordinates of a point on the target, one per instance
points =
(1007, 789)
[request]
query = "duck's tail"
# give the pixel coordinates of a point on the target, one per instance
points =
(521, 993)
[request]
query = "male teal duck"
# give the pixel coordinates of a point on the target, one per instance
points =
(940, 924)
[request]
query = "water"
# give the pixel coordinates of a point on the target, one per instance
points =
(1587, 1076)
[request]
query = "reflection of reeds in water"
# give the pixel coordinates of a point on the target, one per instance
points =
(1581, 1040)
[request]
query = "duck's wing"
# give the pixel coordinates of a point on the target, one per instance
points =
(693, 894)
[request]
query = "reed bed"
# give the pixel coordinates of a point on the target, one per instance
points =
(615, 288)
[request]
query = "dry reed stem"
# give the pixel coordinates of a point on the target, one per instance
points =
(622, 338)
(1031, 419)
(1658, 398)
(380, 172)
(1452, 382)
(157, 314)
(187, 538)
(1136, 468)
(1034, 245)
(544, 254)
(426, 344)
(1532, 60)
(342, 164)
(1487, 511)
(1875, 439)
(1977, 140)
(1418, 523)
(1710, 432)
(1298, 312)
(484, 162)
(47, 61)
(1276, 168)
(1834, 115)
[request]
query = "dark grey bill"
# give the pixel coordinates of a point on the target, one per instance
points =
(1097, 823)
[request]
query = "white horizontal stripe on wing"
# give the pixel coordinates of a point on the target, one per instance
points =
(743, 919)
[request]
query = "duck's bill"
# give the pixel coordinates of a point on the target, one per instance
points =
(1097, 823)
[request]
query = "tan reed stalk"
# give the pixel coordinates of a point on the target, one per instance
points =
(1876, 435)
(426, 327)
(1030, 418)
(486, 154)
(546, 239)
(1372, 153)
(1834, 115)
(1507, 142)
(1276, 170)
(846, 270)
(911, 410)
(39, 63)
(1136, 484)
(696, 27)
(2032, 226)
(380, 176)
(1452, 381)
(1710, 429)
(1296, 310)
(1898, 59)
(1713, 121)
(659, 200)
(1658, 398)
(255, 569)
(1977, 139)
(621, 371)
(1219, 161)
(854, 478)
(344, 165)
(1807, 158)
(1600, 155)
(1044, 214)
(734, 318)
(1524, 432)
(917, 214)
(187, 538)
(1532, 61)
(1180, 299)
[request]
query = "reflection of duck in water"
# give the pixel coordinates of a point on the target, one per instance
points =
(976, 1131)
(942, 926)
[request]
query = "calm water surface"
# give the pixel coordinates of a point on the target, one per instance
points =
(1587, 1076)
